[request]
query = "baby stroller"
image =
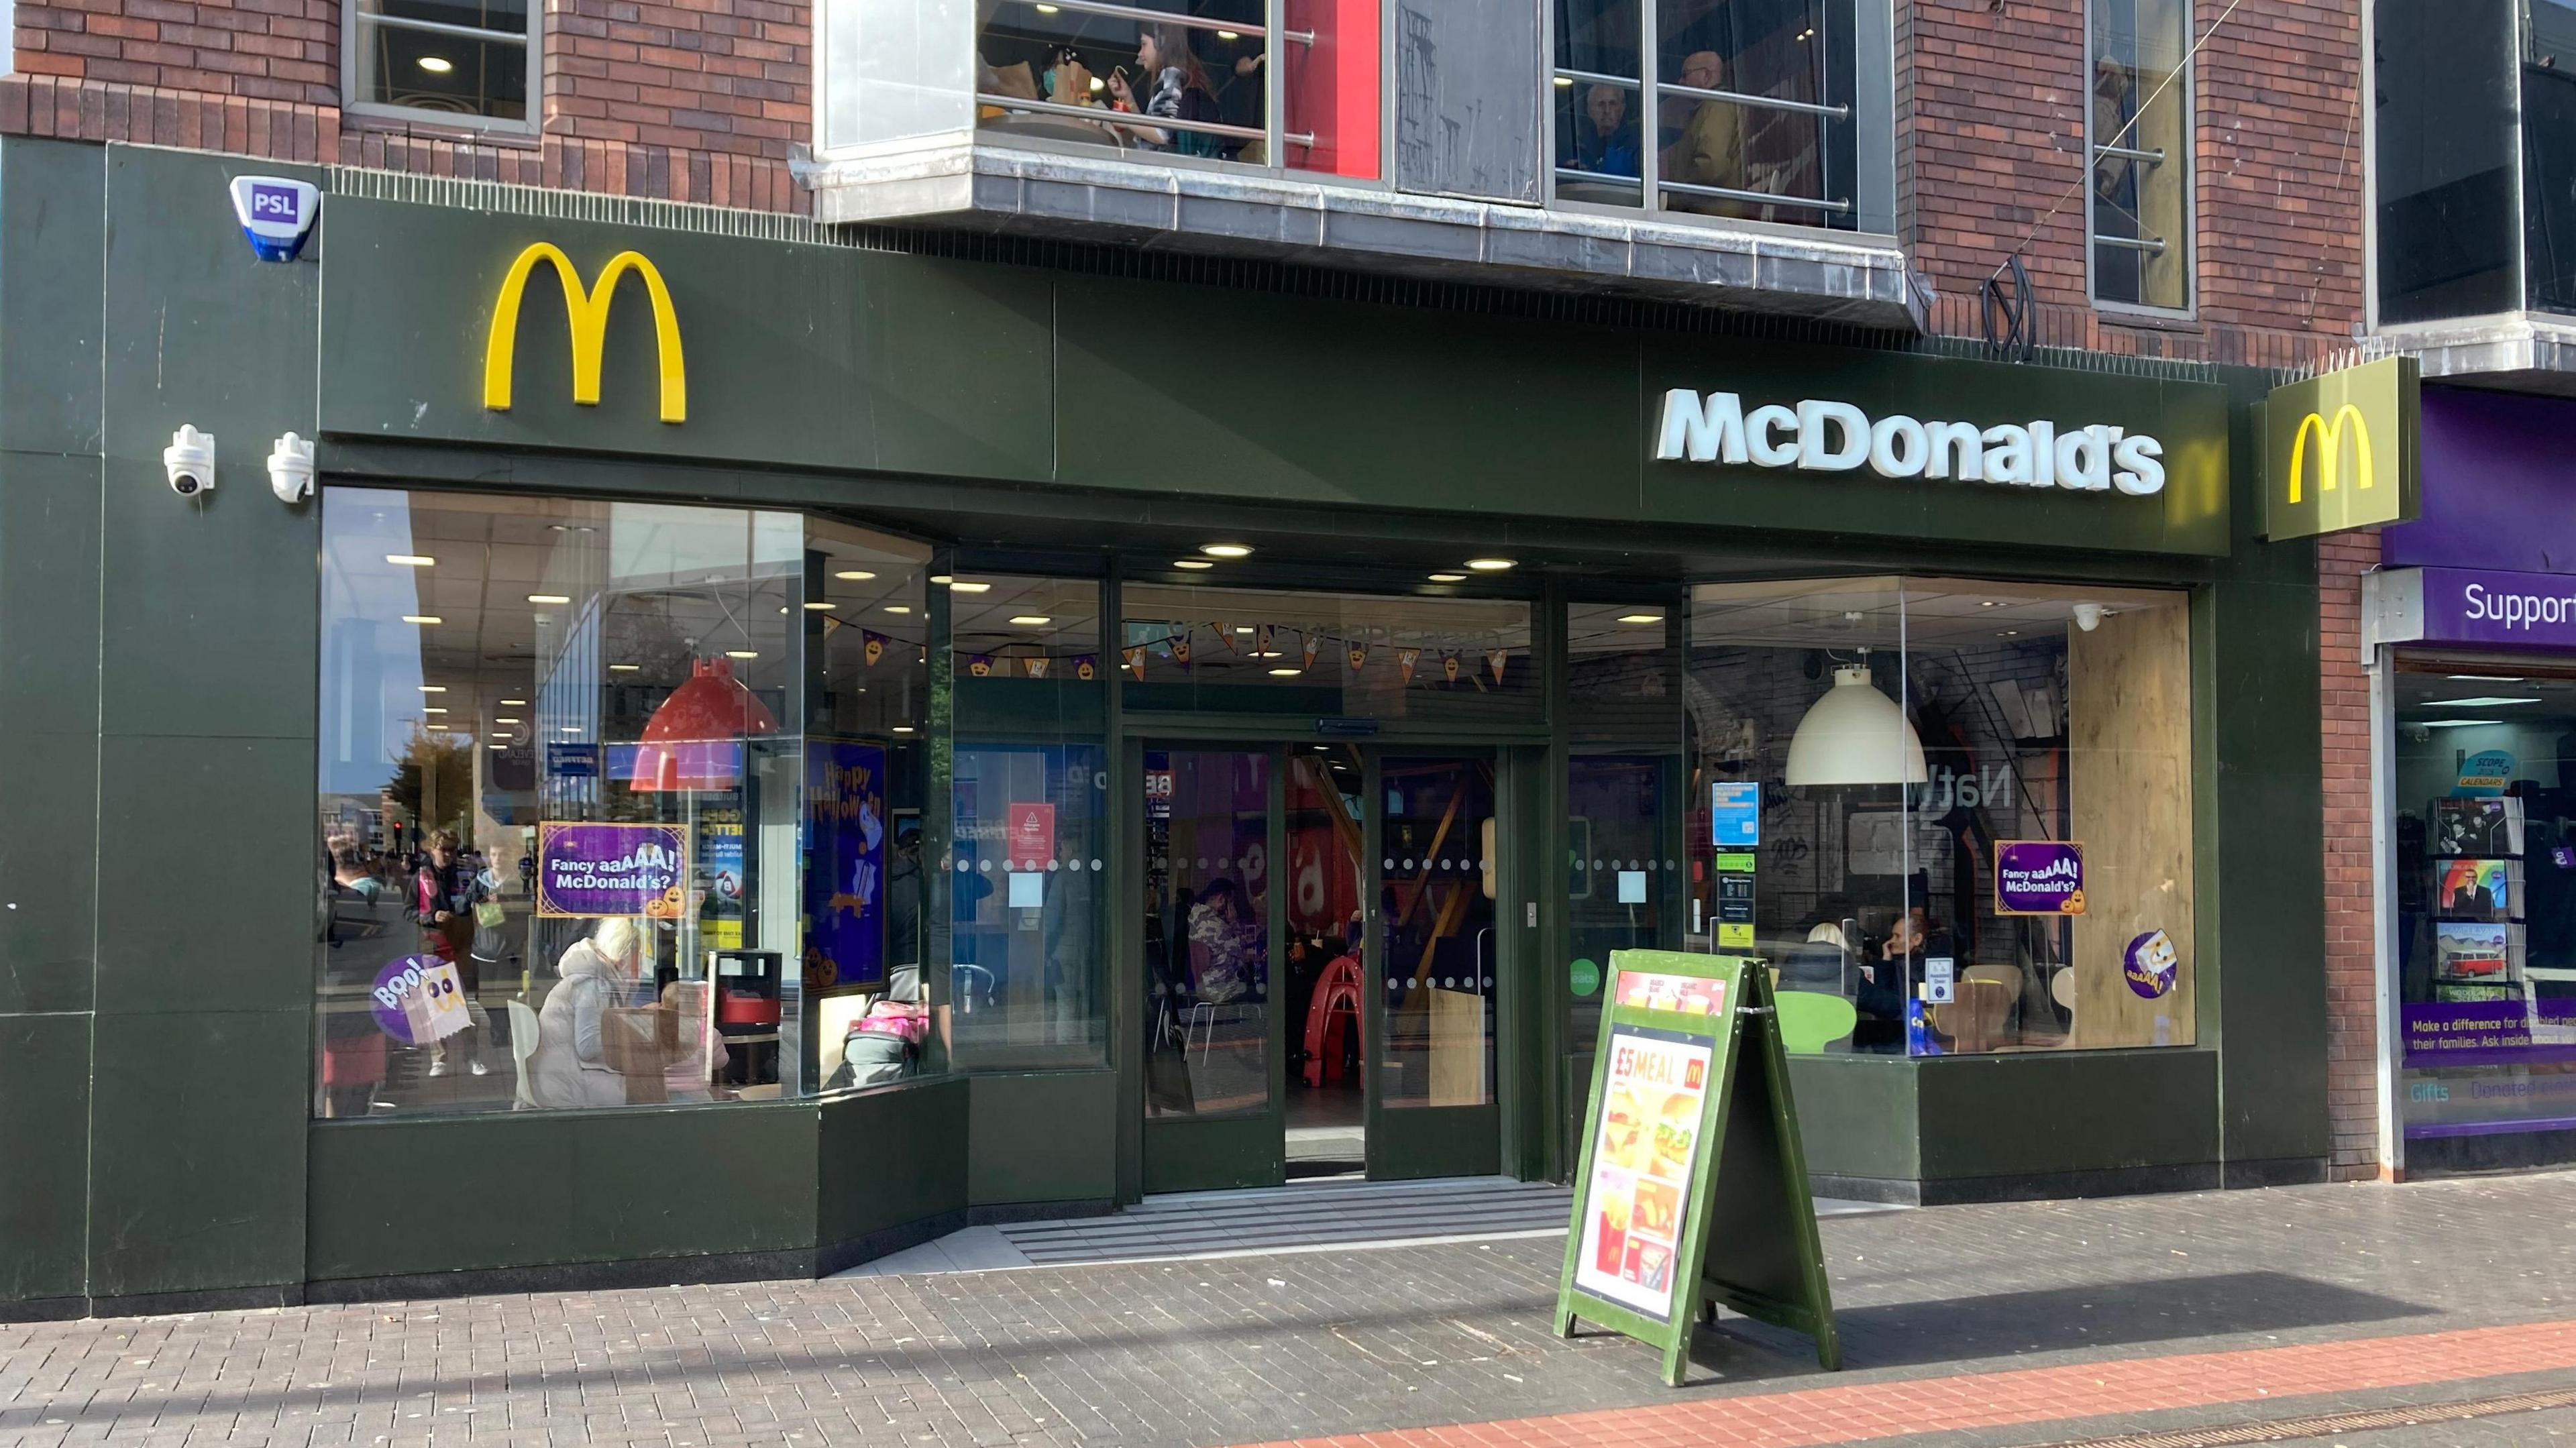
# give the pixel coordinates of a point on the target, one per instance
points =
(884, 1044)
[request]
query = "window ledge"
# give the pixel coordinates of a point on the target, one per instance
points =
(2531, 352)
(513, 135)
(974, 182)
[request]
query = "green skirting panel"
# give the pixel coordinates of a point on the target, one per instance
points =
(1043, 1137)
(535, 1189)
(2023, 1124)
(2066, 1113)
(1856, 1116)
(888, 1160)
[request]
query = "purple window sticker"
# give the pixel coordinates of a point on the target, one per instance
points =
(588, 870)
(2039, 877)
(393, 983)
(2150, 964)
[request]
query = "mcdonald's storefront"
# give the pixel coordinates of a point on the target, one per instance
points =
(2470, 629)
(767, 745)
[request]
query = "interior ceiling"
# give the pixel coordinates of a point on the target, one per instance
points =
(2425, 695)
(1889, 613)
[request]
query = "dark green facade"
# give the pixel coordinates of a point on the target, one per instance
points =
(158, 731)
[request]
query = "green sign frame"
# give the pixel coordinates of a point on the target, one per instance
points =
(1745, 1234)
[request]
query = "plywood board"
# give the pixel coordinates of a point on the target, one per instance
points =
(2129, 779)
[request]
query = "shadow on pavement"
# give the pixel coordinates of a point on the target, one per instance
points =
(2059, 1319)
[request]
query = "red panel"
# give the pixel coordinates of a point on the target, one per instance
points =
(1335, 86)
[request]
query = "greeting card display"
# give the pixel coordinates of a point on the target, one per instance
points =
(2477, 827)
(2474, 950)
(2477, 889)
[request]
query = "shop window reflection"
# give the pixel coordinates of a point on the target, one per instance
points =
(574, 759)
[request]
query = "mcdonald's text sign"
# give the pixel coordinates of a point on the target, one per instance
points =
(2340, 451)
(586, 308)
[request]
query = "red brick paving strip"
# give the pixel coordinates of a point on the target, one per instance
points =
(1862, 1411)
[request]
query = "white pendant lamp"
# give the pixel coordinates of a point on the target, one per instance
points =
(1855, 735)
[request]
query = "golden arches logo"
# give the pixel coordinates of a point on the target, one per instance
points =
(2330, 441)
(587, 311)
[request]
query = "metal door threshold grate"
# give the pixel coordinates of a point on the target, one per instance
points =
(1199, 1224)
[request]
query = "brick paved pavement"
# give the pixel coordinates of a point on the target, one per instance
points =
(1265, 1348)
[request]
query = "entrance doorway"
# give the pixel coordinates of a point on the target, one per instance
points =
(1322, 962)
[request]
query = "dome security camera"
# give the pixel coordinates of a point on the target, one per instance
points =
(2088, 616)
(190, 462)
(290, 469)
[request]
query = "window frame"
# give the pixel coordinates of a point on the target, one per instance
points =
(2189, 101)
(1651, 205)
(354, 22)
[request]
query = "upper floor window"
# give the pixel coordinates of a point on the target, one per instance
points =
(463, 60)
(1287, 84)
(2139, 147)
(1734, 108)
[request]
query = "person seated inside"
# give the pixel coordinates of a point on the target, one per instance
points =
(1710, 149)
(1889, 979)
(1816, 965)
(1605, 142)
(1177, 89)
(571, 1067)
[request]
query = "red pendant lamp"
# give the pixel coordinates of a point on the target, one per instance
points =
(694, 741)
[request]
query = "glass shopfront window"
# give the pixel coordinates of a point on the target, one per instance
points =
(1624, 880)
(2484, 880)
(869, 630)
(1207, 931)
(609, 794)
(1186, 648)
(1953, 817)
(1028, 976)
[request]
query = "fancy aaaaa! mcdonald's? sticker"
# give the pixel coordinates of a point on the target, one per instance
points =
(586, 311)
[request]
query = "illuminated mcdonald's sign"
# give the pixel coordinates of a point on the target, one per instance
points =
(587, 311)
(2339, 451)
(2330, 452)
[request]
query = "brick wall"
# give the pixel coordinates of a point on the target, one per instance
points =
(695, 100)
(2352, 1024)
(1991, 146)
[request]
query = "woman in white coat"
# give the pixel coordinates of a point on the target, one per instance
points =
(598, 974)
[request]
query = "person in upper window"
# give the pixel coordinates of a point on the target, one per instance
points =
(1710, 149)
(1605, 140)
(1177, 89)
